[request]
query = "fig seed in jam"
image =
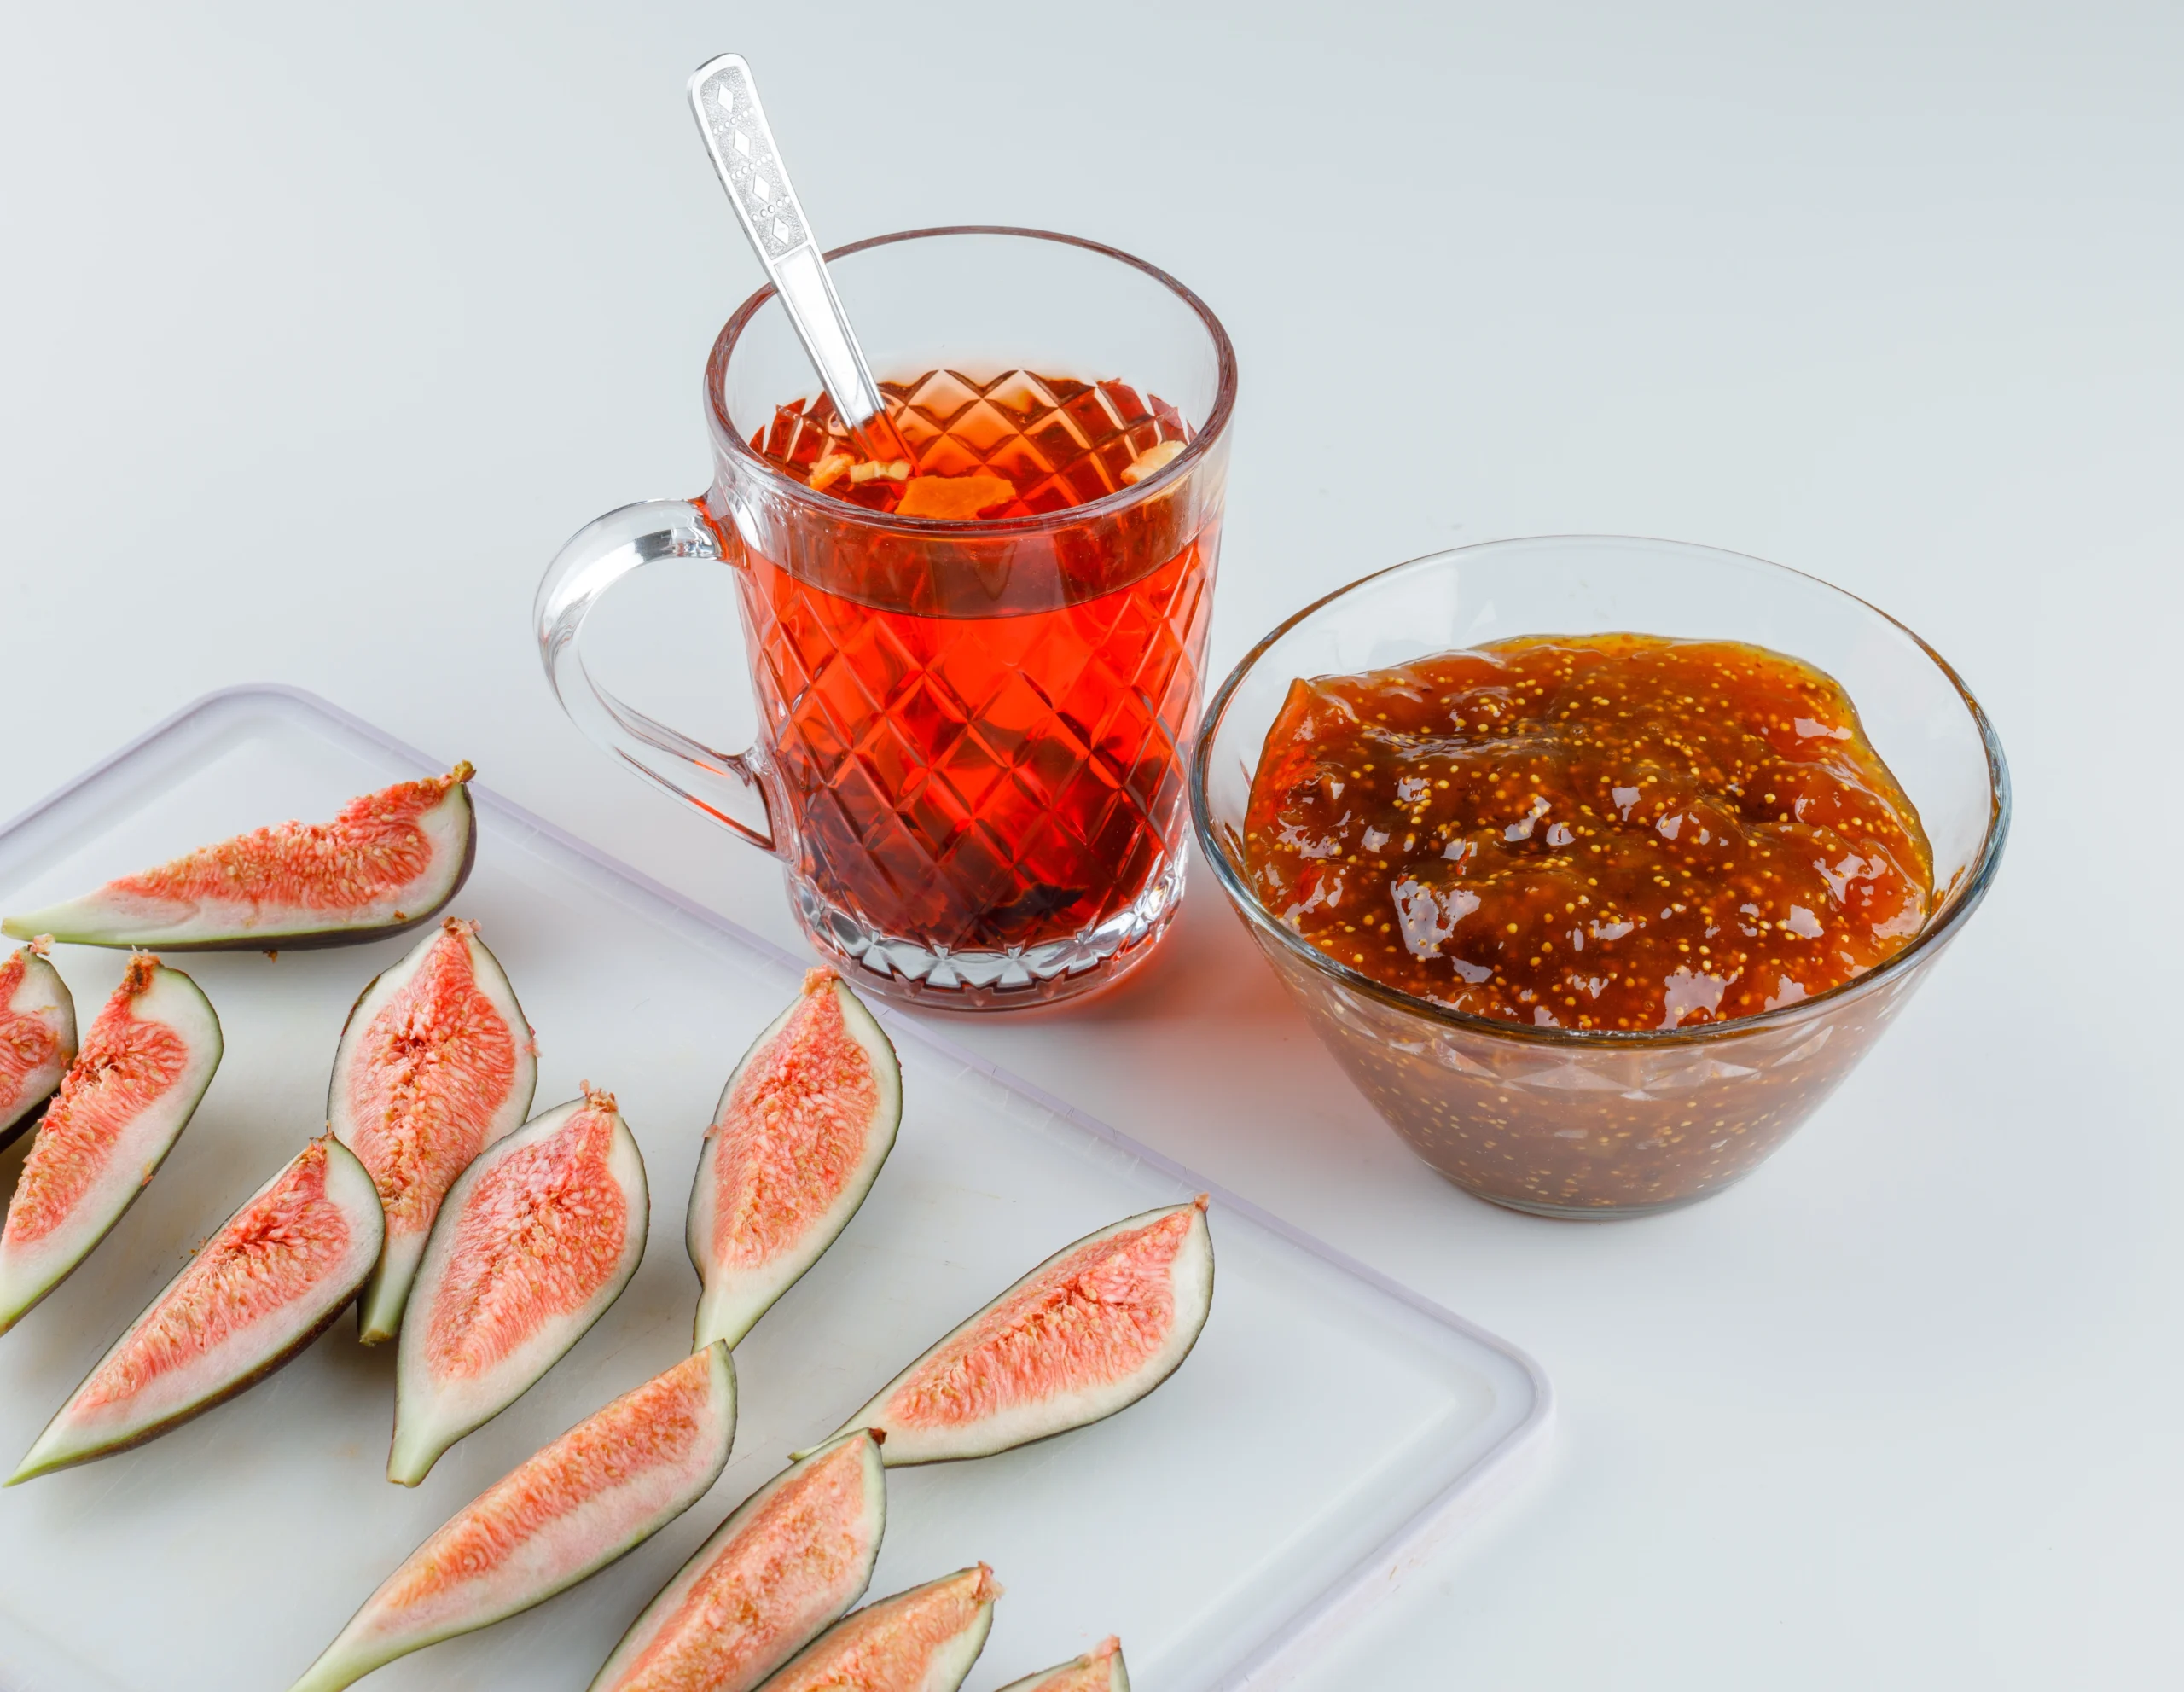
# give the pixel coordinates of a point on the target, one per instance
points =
(1603, 831)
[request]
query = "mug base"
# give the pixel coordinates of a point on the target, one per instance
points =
(1021, 977)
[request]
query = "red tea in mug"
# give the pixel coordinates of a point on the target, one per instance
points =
(979, 746)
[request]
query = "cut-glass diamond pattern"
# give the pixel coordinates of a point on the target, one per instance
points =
(982, 783)
(1058, 442)
(985, 802)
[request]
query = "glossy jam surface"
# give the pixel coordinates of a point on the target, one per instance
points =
(1613, 831)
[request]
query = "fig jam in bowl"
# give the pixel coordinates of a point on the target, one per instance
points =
(1598, 861)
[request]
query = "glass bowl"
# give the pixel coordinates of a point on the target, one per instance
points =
(1594, 1122)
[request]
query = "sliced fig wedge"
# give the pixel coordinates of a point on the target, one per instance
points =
(1099, 1670)
(792, 1556)
(37, 1036)
(533, 1242)
(435, 1064)
(1090, 1331)
(390, 861)
(145, 1063)
(802, 1128)
(271, 1281)
(600, 1491)
(924, 1640)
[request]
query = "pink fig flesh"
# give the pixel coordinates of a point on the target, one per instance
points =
(37, 1036)
(786, 1562)
(533, 1242)
(389, 861)
(1091, 1330)
(595, 1493)
(146, 1061)
(924, 1640)
(802, 1128)
(268, 1282)
(1099, 1670)
(435, 1064)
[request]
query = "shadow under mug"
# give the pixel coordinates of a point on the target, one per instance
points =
(972, 734)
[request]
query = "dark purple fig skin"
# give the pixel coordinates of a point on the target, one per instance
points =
(217, 1044)
(271, 1366)
(338, 1303)
(28, 1121)
(33, 1113)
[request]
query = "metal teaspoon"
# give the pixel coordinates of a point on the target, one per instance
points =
(725, 99)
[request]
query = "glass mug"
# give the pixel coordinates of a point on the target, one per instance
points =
(972, 734)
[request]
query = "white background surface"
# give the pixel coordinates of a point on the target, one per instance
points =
(321, 331)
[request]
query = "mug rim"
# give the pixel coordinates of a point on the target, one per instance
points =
(1201, 442)
(1929, 940)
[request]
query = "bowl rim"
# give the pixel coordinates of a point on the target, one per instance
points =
(1969, 887)
(1203, 441)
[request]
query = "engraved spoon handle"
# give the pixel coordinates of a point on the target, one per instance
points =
(725, 99)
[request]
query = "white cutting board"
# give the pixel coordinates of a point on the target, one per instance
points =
(1326, 1423)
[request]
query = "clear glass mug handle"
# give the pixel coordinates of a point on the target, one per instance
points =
(722, 784)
